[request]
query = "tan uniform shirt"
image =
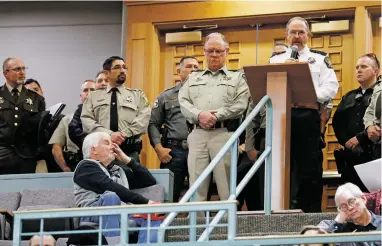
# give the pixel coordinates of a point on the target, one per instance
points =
(61, 135)
(370, 119)
(133, 111)
(225, 91)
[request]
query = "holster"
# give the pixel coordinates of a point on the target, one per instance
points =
(72, 159)
(340, 156)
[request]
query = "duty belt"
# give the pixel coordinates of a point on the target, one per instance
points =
(179, 143)
(216, 126)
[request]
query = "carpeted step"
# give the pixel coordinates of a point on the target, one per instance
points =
(253, 225)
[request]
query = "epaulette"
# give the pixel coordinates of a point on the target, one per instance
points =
(170, 88)
(233, 70)
(318, 52)
(277, 53)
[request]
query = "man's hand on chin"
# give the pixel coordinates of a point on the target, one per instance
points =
(120, 155)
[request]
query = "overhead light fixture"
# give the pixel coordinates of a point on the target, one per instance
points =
(201, 27)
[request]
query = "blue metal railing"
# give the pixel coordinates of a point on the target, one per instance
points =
(234, 191)
(123, 212)
(229, 206)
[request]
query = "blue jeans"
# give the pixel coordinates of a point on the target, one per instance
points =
(114, 221)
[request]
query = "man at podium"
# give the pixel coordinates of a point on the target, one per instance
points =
(306, 164)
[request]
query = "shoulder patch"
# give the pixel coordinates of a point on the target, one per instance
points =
(145, 99)
(156, 103)
(328, 62)
(318, 52)
(277, 53)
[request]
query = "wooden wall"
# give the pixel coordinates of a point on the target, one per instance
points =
(145, 56)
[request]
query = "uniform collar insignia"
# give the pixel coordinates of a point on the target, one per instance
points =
(29, 101)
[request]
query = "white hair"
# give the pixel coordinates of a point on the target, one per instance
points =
(216, 35)
(348, 190)
(90, 141)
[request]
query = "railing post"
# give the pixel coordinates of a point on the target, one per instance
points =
(268, 160)
(17, 229)
(233, 169)
(193, 221)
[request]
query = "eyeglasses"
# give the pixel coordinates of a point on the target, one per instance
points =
(18, 69)
(345, 207)
(374, 57)
(119, 68)
(217, 52)
(298, 33)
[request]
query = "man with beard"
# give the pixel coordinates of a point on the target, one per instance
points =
(166, 111)
(212, 101)
(120, 111)
(17, 104)
(348, 122)
(306, 161)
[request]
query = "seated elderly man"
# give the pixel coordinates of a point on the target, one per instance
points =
(353, 215)
(101, 180)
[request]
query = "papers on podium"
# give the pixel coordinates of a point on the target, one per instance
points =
(56, 109)
(370, 174)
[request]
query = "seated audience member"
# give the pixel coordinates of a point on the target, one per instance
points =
(47, 240)
(314, 230)
(101, 80)
(348, 122)
(65, 152)
(76, 133)
(353, 214)
(99, 182)
(34, 85)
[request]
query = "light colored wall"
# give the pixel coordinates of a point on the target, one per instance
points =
(61, 43)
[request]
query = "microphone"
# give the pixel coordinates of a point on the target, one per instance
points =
(294, 53)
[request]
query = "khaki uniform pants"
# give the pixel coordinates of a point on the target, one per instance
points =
(203, 146)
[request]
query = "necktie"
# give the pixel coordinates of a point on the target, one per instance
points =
(15, 94)
(114, 111)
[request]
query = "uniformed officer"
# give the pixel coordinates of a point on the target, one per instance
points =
(101, 80)
(65, 152)
(306, 164)
(372, 117)
(166, 111)
(212, 101)
(348, 123)
(76, 132)
(279, 48)
(17, 104)
(120, 111)
(253, 193)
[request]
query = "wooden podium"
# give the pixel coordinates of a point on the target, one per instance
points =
(286, 84)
